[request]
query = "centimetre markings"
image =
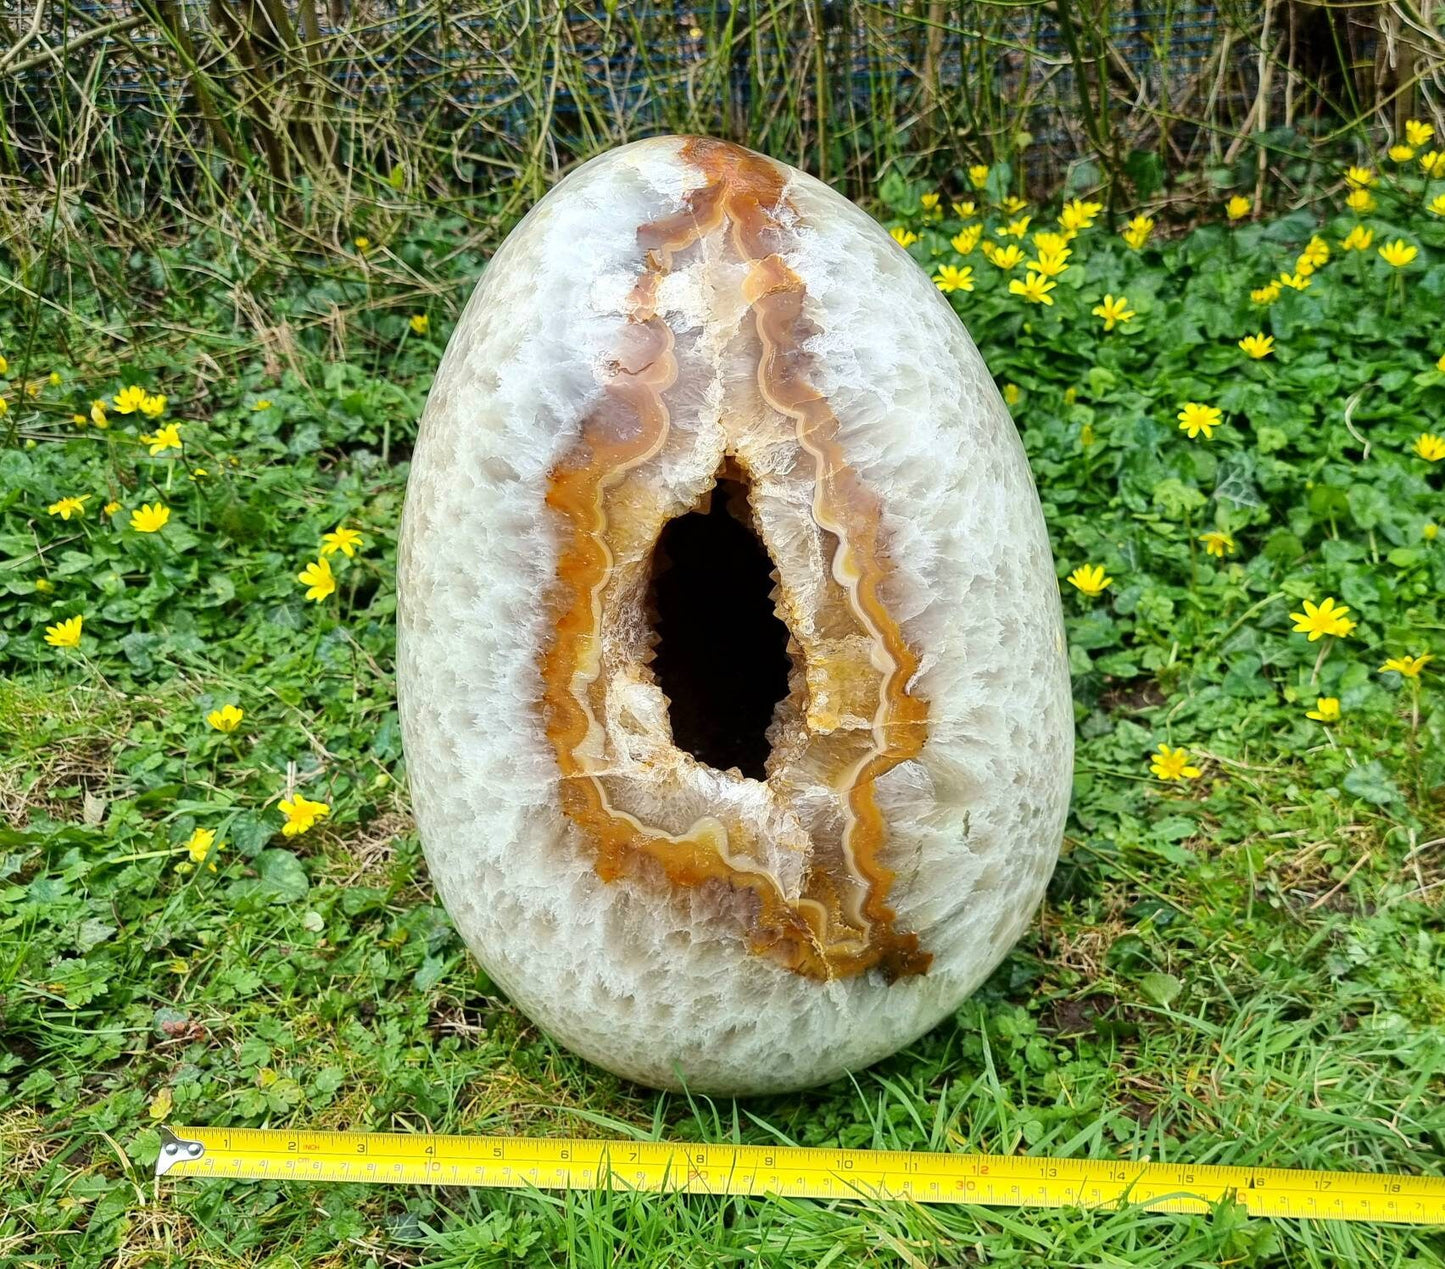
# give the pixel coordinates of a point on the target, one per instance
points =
(794, 1171)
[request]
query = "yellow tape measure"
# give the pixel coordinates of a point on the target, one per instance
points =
(987, 1180)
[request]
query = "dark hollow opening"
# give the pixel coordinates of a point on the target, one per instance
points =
(722, 653)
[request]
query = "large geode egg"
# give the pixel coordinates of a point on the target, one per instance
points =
(731, 665)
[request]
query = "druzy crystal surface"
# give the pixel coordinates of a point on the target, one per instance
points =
(731, 665)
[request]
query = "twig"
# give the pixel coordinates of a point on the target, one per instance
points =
(1343, 881)
(80, 41)
(29, 35)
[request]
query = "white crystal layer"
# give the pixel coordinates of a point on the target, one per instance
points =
(659, 987)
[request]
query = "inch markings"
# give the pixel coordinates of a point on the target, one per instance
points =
(793, 1171)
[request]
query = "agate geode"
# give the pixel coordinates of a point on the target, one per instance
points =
(731, 665)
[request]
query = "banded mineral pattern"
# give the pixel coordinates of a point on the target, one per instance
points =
(836, 921)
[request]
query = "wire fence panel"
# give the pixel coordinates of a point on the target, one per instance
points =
(495, 91)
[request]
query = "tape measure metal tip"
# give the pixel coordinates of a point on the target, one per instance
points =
(176, 1149)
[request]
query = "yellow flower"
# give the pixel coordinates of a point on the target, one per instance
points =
(54, 378)
(419, 323)
(1440, 365)
(4, 365)
(1086, 435)
(44, 585)
(262, 404)
(929, 201)
(301, 814)
(1360, 177)
(1008, 257)
(1114, 311)
(1402, 153)
(1360, 201)
(68, 507)
(1437, 205)
(1409, 666)
(1430, 447)
(1013, 205)
(1304, 266)
(1034, 288)
(4, 407)
(964, 209)
(1136, 232)
(1047, 243)
(978, 175)
(1089, 580)
(151, 518)
(200, 843)
(1328, 618)
(346, 540)
(1317, 251)
(951, 278)
(129, 400)
(318, 579)
(903, 237)
(227, 718)
(65, 634)
(1237, 208)
(966, 239)
(1258, 346)
(1432, 162)
(1326, 710)
(1266, 294)
(1217, 543)
(110, 508)
(1016, 228)
(1430, 531)
(1050, 263)
(1070, 395)
(153, 406)
(1398, 254)
(162, 439)
(97, 414)
(1012, 393)
(1358, 239)
(1418, 132)
(363, 245)
(1296, 281)
(1195, 418)
(1172, 764)
(1079, 214)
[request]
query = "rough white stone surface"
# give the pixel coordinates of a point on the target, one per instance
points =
(659, 987)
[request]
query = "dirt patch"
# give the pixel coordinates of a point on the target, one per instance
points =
(1131, 697)
(1074, 1016)
(63, 782)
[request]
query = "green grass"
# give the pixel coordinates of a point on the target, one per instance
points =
(1243, 968)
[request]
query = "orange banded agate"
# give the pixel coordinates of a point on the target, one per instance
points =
(852, 714)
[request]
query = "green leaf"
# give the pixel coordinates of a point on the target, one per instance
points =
(1162, 989)
(249, 831)
(1146, 169)
(1372, 783)
(433, 970)
(281, 873)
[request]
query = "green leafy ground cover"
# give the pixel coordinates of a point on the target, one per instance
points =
(1240, 966)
